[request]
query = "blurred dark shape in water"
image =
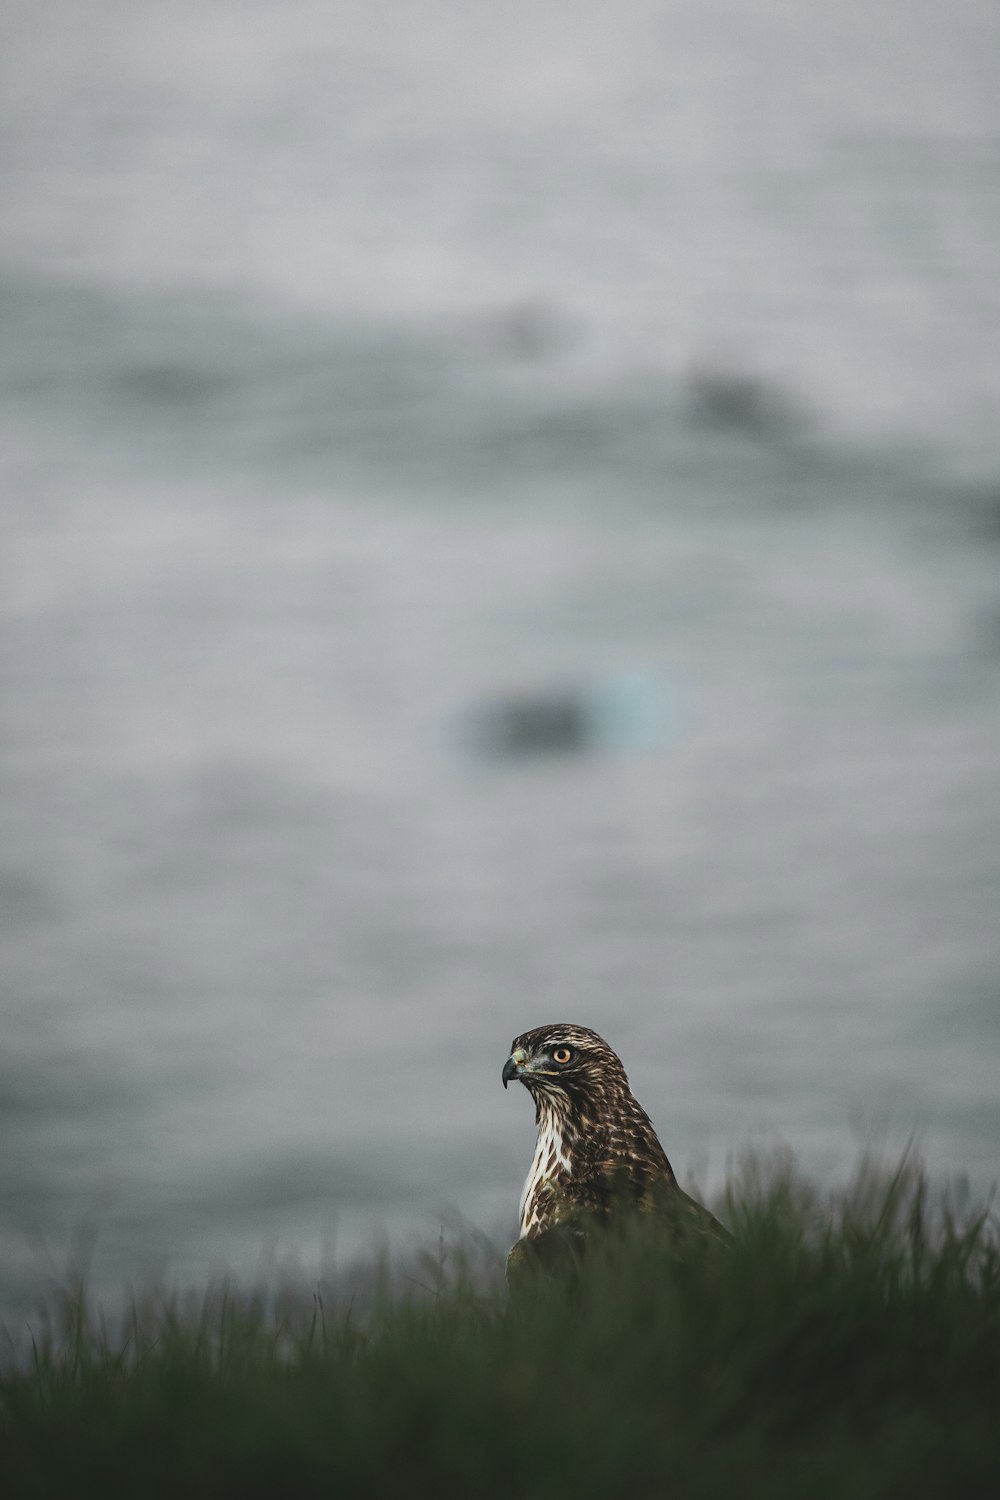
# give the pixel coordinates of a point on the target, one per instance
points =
(735, 398)
(168, 383)
(625, 711)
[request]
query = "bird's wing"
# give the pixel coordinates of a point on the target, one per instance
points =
(689, 1220)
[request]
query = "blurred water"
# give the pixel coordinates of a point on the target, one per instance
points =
(365, 374)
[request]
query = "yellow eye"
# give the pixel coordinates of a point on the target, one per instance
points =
(561, 1055)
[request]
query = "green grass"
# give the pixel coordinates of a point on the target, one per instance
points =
(838, 1348)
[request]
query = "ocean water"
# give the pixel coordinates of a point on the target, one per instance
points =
(500, 522)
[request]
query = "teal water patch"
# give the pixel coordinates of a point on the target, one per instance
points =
(628, 710)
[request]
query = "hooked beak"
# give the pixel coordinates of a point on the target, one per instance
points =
(512, 1067)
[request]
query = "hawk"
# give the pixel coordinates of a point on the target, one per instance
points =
(596, 1155)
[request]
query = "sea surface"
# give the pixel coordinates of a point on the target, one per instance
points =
(499, 522)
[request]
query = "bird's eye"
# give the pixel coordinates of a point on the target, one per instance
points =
(562, 1055)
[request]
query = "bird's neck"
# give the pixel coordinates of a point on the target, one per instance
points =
(553, 1108)
(552, 1162)
(570, 1117)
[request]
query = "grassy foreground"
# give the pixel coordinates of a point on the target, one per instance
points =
(847, 1348)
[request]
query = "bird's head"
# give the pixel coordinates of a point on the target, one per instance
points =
(565, 1065)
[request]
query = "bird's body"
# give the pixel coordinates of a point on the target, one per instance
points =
(596, 1155)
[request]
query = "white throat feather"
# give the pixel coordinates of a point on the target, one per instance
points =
(550, 1164)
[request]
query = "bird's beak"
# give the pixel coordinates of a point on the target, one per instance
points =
(512, 1067)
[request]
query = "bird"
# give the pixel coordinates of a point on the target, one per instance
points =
(597, 1157)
